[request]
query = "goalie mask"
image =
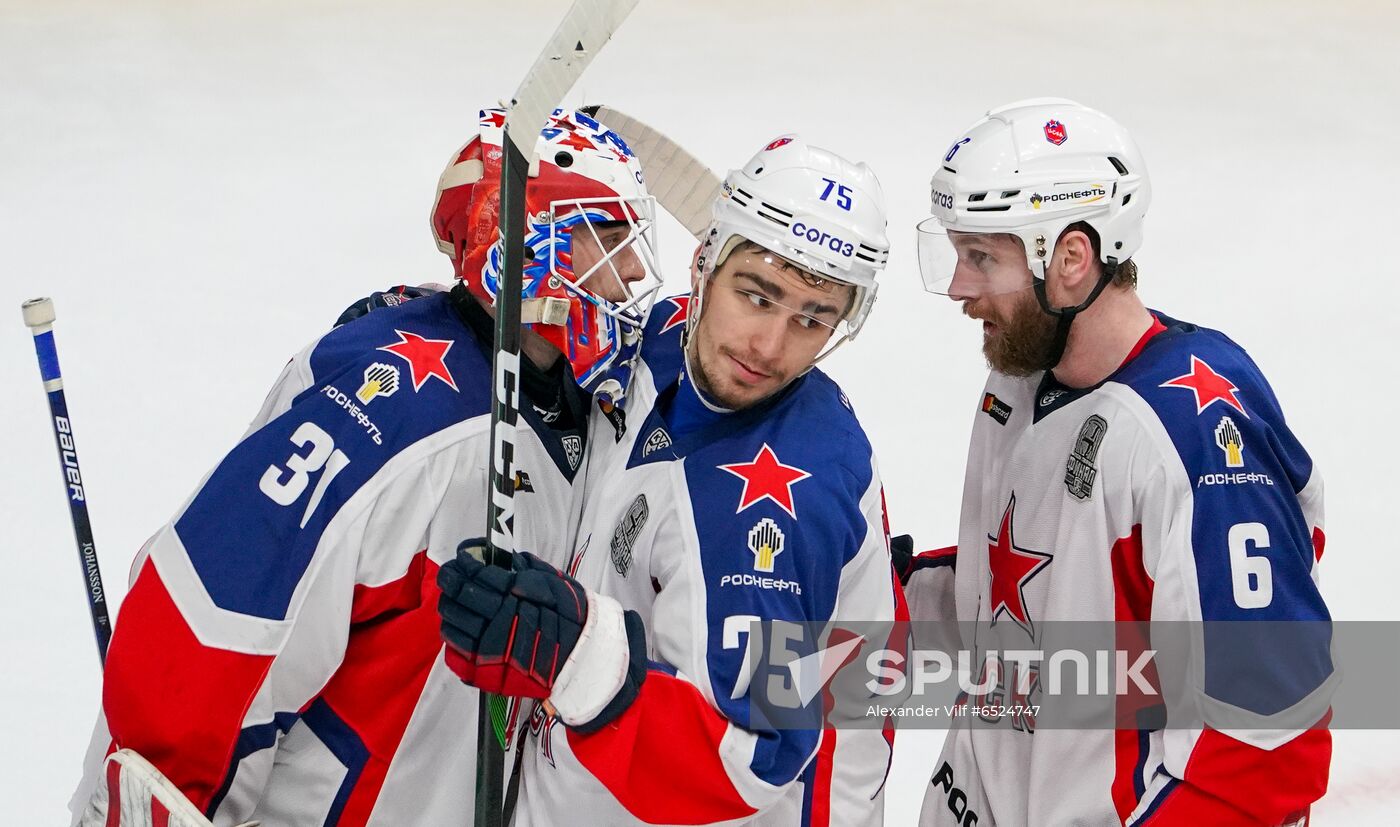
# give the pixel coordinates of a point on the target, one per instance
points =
(811, 208)
(588, 296)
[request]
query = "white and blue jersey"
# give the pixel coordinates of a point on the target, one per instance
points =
(703, 522)
(278, 656)
(1172, 491)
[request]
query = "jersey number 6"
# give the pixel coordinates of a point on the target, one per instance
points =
(1251, 575)
(323, 454)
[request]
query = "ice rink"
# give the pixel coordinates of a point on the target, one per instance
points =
(202, 187)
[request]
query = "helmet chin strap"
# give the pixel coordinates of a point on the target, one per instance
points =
(1065, 315)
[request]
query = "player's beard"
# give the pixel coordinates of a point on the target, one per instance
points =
(1024, 341)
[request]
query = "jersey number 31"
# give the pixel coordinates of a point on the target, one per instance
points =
(322, 455)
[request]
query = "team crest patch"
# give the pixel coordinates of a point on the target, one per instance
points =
(1229, 440)
(1079, 470)
(626, 532)
(380, 380)
(766, 542)
(1055, 132)
(996, 409)
(573, 450)
(657, 440)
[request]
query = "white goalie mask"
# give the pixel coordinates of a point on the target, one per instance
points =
(811, 207)
(1031, 169)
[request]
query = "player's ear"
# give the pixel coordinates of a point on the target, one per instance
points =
(1076, 265)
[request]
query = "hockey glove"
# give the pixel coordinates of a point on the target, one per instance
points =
(380, 299)
(532, 631)
(902, 556)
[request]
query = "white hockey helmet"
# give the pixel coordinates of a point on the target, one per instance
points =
(811, 207)
(1031, 169)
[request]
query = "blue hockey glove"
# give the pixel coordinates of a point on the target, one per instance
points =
(532, 631)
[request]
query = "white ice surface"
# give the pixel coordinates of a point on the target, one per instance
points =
(203, 186)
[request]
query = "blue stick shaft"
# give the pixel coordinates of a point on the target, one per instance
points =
(47, 354)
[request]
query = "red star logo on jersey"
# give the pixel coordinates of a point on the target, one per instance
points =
(767, 478)
(496, 119)
(677, 317)
(1208, 386)
(1012, 567)
(424, 357)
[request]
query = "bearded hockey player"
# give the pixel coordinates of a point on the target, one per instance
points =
(1124, 466)
(277, 657)
(743, 489)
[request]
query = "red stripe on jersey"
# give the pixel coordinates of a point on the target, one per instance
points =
(1157, 327)
(393, 645)
(189, 727)
(660, 758)
(1230, 782)
(1132, 608)
(885, 517)
(1319, 543)
(821, 780)
(938, 553)
(114, 794)
(1132, 586)
(160, 817)
(1127, 755)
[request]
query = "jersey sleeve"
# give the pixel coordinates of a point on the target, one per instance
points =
(240, 608)
(1232, 547)
(698, 745)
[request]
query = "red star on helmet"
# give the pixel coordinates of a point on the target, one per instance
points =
(1012, 567)
(578, 141)
(424, 357)
(677, 317)
(1208, 386)
(767, 478)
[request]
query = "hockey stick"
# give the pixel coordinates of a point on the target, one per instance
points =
(39, 318)
(585, 28)
(679, 182)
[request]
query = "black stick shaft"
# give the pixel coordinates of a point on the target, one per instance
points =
(500, 523)
(38, 314)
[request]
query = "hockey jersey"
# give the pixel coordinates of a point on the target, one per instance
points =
(1172, 491)
(278, 656)
(769, 513)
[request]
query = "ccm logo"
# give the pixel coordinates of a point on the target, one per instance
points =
(823, 239)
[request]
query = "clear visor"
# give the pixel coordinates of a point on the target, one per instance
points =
(614, 260)
(964, 265)
(767, 289)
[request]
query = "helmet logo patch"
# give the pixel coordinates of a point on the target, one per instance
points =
(1055, 132)
(821, 238)
(777, 143)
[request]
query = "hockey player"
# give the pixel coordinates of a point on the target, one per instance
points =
(1124, 466)
(743, 489)
(277, 657)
